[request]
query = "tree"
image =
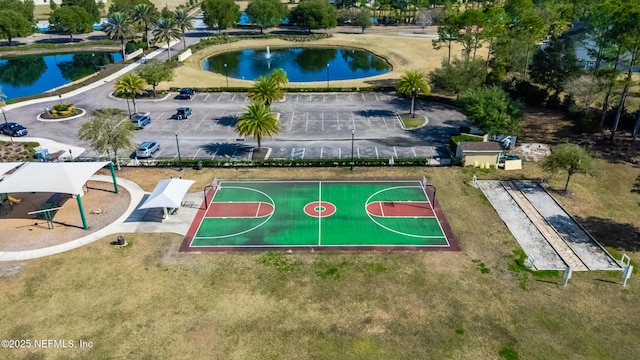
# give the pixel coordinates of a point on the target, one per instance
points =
(145, 14)
(570, 158)
(184, 22)
(412, 83)
(555, 64)
(363, 19)
(166, 30)
(424, 18)
(279, 76)
(90, 6)
(266, 90)
(120, 27)
(314, 14)
(470, 26)
(129, 85)
(154, 73)
(448, 32)
(495, 27)
(457, 76)
(266, 13)
(72, 20)
(584, 89)
(13, 24)
(22, 7)
(220, 13)
(258, 122)
(108, 132)
(491, 109)
(127, 6)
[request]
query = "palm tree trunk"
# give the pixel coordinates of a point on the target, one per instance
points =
(124, 55)
(129, 108)
(133, 99)
(184, 42)
(259, 145)
(169, 50)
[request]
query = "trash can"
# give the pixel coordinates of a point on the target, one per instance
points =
(120, 240)
(199, 165)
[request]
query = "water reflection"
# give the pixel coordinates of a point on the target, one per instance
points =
(301, 64)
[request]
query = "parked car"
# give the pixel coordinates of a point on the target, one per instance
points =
(141, 119)
(183, 113)
(186, 93)
(147, 148)
(13, 129)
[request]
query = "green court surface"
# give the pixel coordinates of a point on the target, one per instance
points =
(318, 214)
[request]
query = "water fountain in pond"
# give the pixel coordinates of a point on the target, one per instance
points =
(268, 57)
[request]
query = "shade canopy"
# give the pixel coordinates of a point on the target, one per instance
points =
(65, 177)
(168, 194)
(8, 166)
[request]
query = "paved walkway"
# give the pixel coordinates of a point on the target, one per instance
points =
(133, 220)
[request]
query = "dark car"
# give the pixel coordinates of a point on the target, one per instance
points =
(141, 119)
(13, 129)
(186, 93)
(183, 113)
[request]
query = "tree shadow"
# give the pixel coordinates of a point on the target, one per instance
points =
(228, 150)
(609, 233)
(58, 40)
(229, 121)
(97, 37)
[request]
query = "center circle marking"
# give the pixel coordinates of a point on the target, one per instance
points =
(319, 209)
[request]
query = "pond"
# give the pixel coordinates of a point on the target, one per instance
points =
(302, 64)
(36, 74)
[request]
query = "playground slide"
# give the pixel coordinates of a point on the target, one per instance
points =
(13, 200)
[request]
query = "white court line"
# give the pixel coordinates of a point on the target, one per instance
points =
(381, 208)
(319, 214)
(258, 211)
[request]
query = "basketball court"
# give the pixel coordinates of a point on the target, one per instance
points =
(386, 215)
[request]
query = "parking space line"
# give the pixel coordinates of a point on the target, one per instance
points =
(322, 121)
(358, 151)
(376, 95)
(293, 151)
(324, 99)
(306, 129)
(369, 121)
(233, 97)
(385, 123)
(158, 153)
(297, 97)
(196, 155)
(214, 154)
(377, 156)
(363, 99)
(338, 120)
(339, 153)
(293, 114)
(206, 97)
(303, 149)
(310, 98)
(201, 121)
(414, 152)
(353, 121)
(395, 152)
(220, 97)
(321, 150)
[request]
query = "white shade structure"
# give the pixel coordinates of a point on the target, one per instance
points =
(66, 178)
(168, 194)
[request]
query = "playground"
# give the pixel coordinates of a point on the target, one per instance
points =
(381, 215)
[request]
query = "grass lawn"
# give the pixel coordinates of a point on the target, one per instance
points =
(410, 122)
(149, 301)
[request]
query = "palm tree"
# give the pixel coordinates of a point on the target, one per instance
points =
(280, 76)
(120, 27)
(413, 83)
(130, 85)
(145, 14)
(258, 121)
(266, 90)
(184, 22)
(108, 133)
(166, 30)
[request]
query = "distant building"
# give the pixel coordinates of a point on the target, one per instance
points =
(46, 2)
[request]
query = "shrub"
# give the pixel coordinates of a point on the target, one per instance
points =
(527, 92)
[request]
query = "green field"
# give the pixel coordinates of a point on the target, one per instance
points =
(289, 225)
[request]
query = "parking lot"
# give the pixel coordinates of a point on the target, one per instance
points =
(317, 126)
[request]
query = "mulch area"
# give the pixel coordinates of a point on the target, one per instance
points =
(21, 231)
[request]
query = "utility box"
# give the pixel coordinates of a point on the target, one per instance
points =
(42, 154)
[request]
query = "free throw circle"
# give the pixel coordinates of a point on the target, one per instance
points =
(319, 209)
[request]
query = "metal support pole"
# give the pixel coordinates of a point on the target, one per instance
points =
(113, 176)
(84, 219)
(327, 74)
(6, 122)
(178, 145)
(353, 133)
(226, 74)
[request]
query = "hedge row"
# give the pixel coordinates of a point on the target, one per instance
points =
(226, 39)
(294, 90)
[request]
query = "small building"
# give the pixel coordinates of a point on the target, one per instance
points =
(479, 153)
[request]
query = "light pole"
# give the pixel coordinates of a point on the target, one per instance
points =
(353, 134)
(60, 98)
(178, 145)
(226, 74)
(327, 74)
(70, 155)
(413, 101)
